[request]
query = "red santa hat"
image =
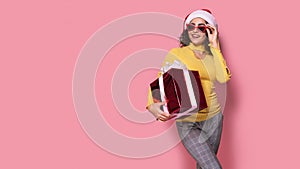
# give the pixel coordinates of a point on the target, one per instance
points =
(202, 13)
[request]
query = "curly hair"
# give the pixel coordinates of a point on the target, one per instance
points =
(185, 40)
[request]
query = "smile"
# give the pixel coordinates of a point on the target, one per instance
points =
(195, 36)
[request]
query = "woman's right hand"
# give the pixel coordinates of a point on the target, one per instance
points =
(154, 108)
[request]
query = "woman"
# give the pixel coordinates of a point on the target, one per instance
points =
(199, 50)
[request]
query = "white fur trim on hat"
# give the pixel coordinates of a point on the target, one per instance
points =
(201, 14)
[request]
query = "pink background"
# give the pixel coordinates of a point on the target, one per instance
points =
(41, 41)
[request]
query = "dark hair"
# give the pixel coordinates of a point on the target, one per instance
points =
(185, 40)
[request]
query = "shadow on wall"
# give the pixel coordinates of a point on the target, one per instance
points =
(227, 152)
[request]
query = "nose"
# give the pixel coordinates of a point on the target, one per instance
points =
(196, 30)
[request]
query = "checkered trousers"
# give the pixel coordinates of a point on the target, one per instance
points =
(202, 140)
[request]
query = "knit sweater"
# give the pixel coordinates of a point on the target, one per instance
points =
(211, 68)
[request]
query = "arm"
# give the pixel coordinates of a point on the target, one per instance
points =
(154, 106)
(222, 71)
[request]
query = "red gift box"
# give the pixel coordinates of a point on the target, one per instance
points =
(183, 91)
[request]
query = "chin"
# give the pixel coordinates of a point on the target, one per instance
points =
(196, 43)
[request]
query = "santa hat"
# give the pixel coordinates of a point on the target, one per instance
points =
(202, 13)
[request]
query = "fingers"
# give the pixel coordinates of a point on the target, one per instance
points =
(156, 100)
(213, 36)
(161, 103)
(209, 31)
(213, 29)
(158, 113)
(166, 118)
(163, 116)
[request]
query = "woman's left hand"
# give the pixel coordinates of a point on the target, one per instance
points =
(212, 36)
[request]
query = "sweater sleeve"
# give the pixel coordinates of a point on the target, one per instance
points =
(223, 73)
(169, 58)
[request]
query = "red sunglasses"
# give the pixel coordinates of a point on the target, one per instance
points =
(201, 27)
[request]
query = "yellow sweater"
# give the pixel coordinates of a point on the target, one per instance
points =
(211, 68)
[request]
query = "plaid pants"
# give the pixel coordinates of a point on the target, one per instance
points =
(202, 140)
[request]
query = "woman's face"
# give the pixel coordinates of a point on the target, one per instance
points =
(196, 36)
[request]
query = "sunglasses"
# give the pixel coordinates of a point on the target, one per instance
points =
(201, 27)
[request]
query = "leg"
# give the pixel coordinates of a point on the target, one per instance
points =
(215, 138)
(201, 139)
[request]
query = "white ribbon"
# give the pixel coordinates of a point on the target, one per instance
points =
(178, 65)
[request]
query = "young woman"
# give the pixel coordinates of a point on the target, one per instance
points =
(199, 50)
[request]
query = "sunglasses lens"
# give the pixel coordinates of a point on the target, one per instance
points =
(202, 28)
(190, 27)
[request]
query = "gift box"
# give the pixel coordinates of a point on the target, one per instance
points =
(181, 89)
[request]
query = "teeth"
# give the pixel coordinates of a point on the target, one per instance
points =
(195, 36)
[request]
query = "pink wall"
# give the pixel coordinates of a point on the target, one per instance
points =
(40, 45)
